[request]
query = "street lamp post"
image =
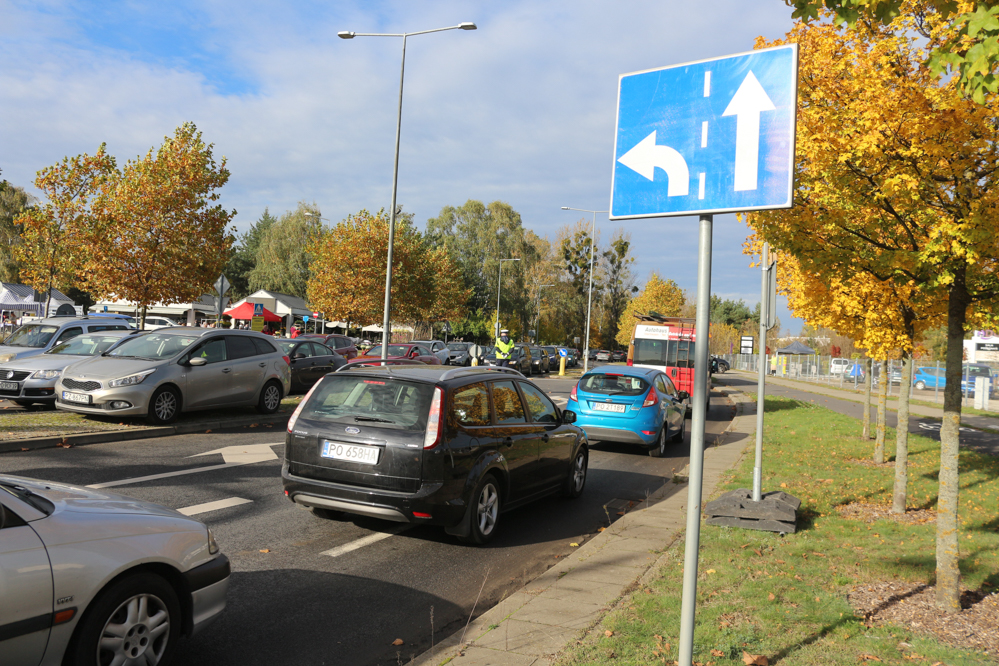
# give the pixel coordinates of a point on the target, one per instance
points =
(589, 298)
(346, 34)
(499, 283)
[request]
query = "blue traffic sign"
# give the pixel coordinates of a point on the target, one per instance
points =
(563, 352)
(713, 136)
(258, 309)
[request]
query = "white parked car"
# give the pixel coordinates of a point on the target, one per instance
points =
(153, 323)
(838, 366)
(91, 577)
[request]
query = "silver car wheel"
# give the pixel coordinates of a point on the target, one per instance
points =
(272, 397)
(165, 406)
(136, 632)
(488, 509)
(579, 472)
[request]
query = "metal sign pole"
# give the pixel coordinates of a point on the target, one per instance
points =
(761, 388)
(693, 537)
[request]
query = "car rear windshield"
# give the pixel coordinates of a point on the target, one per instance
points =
(977, 371)
(86, 345)
(610, 384)
(378, 400)
(31, 335)
(154, 346)
(393, 350)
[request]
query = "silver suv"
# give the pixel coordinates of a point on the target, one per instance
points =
(41, 335)
(163, 373)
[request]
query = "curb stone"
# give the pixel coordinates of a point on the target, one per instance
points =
(533, 625)
(103, 437)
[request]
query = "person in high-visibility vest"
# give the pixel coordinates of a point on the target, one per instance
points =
(504, 348)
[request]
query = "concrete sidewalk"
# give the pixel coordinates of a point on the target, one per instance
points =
(533, 625)
(973, 420)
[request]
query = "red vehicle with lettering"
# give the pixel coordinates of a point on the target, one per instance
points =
(666, 344)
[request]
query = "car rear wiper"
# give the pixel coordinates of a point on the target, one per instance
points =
(372, 419)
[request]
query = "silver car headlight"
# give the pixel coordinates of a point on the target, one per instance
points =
(131, 380)
(46, 374)
(213, 546)
(7, 357)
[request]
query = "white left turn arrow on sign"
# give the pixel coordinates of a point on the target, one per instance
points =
(647, 155)
(746, 105)
(245, 455)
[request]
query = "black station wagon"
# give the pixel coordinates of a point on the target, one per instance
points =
(428, 444)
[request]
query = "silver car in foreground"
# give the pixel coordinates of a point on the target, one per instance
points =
(32, 380)
(162, 373)
(90, 577)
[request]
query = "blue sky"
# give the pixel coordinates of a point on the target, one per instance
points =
(521, 110)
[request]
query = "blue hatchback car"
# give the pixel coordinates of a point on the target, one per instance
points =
(630, 405)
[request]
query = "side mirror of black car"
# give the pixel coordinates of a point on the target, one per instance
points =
(568, 416)
(682, 395)
(299, 355)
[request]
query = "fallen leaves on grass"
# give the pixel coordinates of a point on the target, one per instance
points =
(868, 657)
(754, 659)
(975, 626)
(869, 512)
(717, 653)
(771, 596)
(608, 633)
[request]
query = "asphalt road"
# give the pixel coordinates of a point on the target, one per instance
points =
(986, 442)
(310, 591)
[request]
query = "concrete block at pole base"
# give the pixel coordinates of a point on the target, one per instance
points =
(775, 512)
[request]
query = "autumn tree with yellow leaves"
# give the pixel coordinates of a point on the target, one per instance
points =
(157, 238)
(54, 236)
(347, 279)
(661, 296)
(896, 178)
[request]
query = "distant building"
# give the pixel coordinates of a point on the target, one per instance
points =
(203, 308)
(286, 306)
(983, 347)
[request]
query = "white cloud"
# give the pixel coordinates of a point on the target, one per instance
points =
(520, 110)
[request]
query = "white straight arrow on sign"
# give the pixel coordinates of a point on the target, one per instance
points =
(746, 105)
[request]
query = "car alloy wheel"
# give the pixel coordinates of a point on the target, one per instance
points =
(487, 509)
(576, 480)
(921, 385)
(659, 450)
(272, 397)
(164, 406)
(139, 628)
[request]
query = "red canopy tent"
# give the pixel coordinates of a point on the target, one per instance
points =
(245, 311)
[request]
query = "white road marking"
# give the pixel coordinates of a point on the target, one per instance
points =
(213, 506)
(164, 475)
(240, 455)
(246, 454)
(363, 541)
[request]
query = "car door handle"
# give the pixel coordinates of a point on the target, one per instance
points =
(508, 441)
(263, 365)
(544, 438)
(226, 370)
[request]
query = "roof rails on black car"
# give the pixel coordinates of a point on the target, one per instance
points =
(456, 372)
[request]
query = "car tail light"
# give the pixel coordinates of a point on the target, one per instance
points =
(652, 398)
(286, 360)
(298, 410)
(572, 393)
(433, 436)
(631, 362)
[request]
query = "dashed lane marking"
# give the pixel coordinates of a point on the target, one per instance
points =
(363, 541)
(213, 506)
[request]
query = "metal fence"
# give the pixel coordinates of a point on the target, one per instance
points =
(849, 374)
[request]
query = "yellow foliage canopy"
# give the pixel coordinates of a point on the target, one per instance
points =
(660, 296)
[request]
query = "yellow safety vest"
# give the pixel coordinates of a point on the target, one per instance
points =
(503, 349)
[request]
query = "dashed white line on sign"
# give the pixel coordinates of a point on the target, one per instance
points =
(364, 541)
(213, 506)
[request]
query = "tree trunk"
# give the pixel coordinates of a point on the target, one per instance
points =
(879, 442)
(142, 319)
(867, 402)
(900, 491)
(948, 550)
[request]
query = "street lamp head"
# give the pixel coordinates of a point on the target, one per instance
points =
(565, 208)
(468, 25)
(345, 34)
